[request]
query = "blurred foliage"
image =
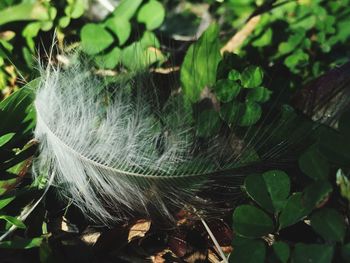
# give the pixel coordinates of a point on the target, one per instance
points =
(290, 214)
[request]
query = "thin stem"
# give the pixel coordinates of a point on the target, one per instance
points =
(216, 243)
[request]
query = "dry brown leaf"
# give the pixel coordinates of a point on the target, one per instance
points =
(139, 229)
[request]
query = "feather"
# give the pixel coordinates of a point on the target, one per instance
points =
(110, 152)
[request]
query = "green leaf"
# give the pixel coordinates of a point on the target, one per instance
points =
(255, 187)
(249, 221)
(226, 89)
(259, 94)
(252, 251)
(13, 220)
(306, 253)
(317, 193)
(252, 113)
(252, 77)
(22, 243)
(94, 39)
(64, 21)
(281, 251)
(109, 60)
(75, 9)
(234, 75)
(208, 123)
(293, 211)
(313, 164)
(121, 27)
(152, 14)
(278, 187)
(344, 184)
(23, 12)
(264, 40)
(5, 201)
(297, 58)
(126, 9)
(329, 224)
(6, 138)
(200, 64)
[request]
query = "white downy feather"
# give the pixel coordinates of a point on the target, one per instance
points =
(105, 153)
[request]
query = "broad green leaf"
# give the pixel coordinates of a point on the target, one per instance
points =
(200, 63)
(313, 164)
(23, 12)
(317, 194)
(94, 39)
(294, 211)
(259, 94)
(22, 243)
(255, 187)
(249, 221)
(109, 60)
(297, 58)
(121, 27)
(208, 123)
(6, 138)
(126, 9)
(252, 251)
(13, 220)
(278, 187)
(281, 251)
(306, 253)
(329, 223)
(152, 14)
(226, 89)
(252, 113)
(149, 39)
(252, 77)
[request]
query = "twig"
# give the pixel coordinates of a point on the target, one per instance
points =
(237, 40)
(216, 243)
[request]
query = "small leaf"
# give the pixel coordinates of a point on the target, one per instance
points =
(282, 251)
(278, 187)
(152, 14)
(313, 164)
(95, 38)
(259, 94)
(126, 9)
(226, 89)
(294, 211)
(121, 27)
(306, 253)
(22, 243)
(316, 194)
(249, 221)
(13, 220)
(344, 184)
(200, 64)
(5, 201)
(234, 75)
(251, 251)
(6, 138)
(252, 77)
(109, 60)
(255, 187)
(252, 113)
(329, 224)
